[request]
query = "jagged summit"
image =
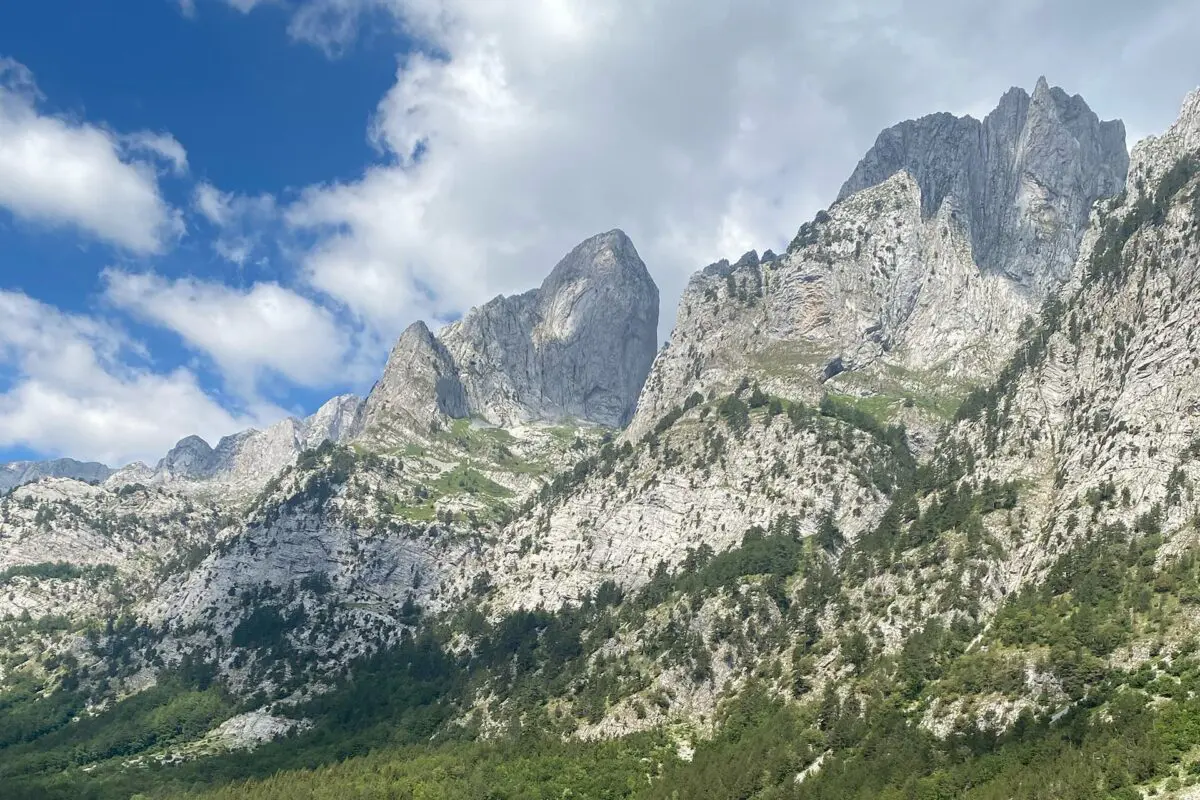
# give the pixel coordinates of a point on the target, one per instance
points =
(19, 473)
(916, 281)
(1022, 181)
(418, 388)
(1153, 156)
(580, 346)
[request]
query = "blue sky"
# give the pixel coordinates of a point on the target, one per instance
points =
(214, 213)
(257, 114)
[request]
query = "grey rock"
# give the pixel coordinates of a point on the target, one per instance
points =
(192, 457)
(1084, 414)
(19, 473)
(1024, 179)
(916, 281)
(336, 421)
(580, 346)
(242, 463)
(418, 389)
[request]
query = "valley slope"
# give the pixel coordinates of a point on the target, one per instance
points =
(908, 510)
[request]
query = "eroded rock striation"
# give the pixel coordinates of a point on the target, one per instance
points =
(1022, 181)
(578, 347)
(915, 285)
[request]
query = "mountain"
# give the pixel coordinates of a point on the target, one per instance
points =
(1023, 180)
(242, 463)
(419, 389)
(913, 287)
(575, 349)
(578, 347)
(19, 473)
(909, 510)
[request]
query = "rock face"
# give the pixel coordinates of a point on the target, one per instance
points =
(19, 473)
(242, 463)
(1023, 179)
(702, 483)
(1103, 417)
(419, 388)
(914, 285)
(578, 347)
(133, 534)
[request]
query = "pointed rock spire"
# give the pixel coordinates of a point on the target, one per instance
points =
(1025, 178)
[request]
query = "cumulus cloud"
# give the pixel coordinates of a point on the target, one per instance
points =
(242, 221)
(163, 146)
(701, 127)
(59, 172)
(78, 386)
(250, 334)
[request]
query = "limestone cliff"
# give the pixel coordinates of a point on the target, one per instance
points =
(577, 347)
(1023, 180)
(913, 287)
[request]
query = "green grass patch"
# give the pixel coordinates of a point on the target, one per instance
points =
(464, 479)
(785, 359)
(425, 512)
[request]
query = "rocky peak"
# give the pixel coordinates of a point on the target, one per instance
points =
(1155, 155)
(243, 462)
(1023, 180)
(19, 473)
(336, 420)
(191, 457)
(579, 346)
(418, 388)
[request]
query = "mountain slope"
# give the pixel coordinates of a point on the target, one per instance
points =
(761, 588)
(912, 288)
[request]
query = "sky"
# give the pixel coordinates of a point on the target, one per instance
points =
(217, 213)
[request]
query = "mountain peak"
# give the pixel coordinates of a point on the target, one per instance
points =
(1025, 177)
(578, 347)
(1154, 155)
(608, 256)
(189, 458)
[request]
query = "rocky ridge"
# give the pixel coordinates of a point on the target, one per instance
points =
(242, 463)
(761, 523)
(1100, 418)
(901, 291)
(1023, 180)
(19, 473)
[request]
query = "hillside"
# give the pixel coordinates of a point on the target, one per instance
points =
(909, 510)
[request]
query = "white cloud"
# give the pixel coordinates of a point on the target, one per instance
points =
(188, 7)
(242, 221)
(73, 390)
(245, 6)
(213, 204)
(546, 123)
(56, 171)
(701, 127)
(162, 145)
(249, 333)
